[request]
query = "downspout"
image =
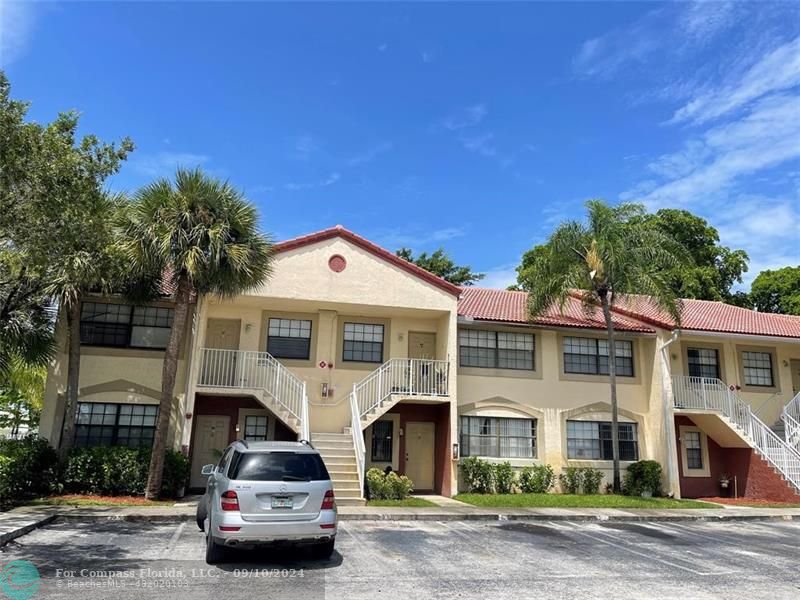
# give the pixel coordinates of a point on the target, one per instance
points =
(669, 419)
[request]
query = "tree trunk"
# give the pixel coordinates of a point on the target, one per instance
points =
(73, 377)
(168, 374)
(612, 377)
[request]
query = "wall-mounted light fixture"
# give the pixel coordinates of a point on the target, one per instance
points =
(455, 451)
(248, 326)
(237, 428)
(785, 363)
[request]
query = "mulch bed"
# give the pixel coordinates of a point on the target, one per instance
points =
(123, 500)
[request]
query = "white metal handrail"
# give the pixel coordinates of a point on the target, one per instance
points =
(791, 419)
(358, 441)
(255, 370)
(703, 393)
(406, 376)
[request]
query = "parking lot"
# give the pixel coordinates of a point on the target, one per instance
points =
(461, 559)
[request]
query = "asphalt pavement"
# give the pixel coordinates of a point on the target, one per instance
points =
(426, 559)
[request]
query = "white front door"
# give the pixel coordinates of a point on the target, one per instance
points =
(210, 439)
(420, 454)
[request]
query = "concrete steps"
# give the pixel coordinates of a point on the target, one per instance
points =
(339, 456)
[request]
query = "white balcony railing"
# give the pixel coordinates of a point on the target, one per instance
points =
(703, 393)
(791, 420)
(256, 371)
(403, 376)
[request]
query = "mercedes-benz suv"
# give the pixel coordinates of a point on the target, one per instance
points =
(268, 493)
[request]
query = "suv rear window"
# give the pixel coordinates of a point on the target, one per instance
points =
(277, 466)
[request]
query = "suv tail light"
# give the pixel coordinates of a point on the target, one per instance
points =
(328, 502)
(229, 500)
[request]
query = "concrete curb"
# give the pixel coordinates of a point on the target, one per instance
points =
(20, 531)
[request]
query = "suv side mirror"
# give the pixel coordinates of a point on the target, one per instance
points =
(207, 470)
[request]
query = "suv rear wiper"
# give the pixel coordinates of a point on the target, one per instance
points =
(295, 478)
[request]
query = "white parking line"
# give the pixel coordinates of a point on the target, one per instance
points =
(624, 545)
(173, 540)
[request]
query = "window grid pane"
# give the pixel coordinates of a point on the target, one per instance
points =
(703, 362)
(757, 368)
(107, 424)
(694, 450)
(104, 324)
(496, 349)
(382, 439)
(590, 356)
(591, 440)
(363, 342)
(498, 437)
(289, 338)
(255, 427)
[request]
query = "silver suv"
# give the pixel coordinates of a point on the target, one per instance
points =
(264, 493)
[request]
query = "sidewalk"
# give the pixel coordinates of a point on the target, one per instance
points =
(24, 519)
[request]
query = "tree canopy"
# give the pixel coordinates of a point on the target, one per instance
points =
(439, 263)
(777, 291)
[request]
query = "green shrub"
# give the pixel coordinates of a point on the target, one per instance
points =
(504, 478)
(571, 480)
(120, 471)
(642, 476)
(177, 469)
(478, 475)
(28, 468)
(387, 486)
(400, 486)
(538, 479)
(591, 480)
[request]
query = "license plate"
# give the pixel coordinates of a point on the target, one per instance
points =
(281, 502)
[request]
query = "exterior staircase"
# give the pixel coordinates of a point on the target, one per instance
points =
(707, 394)
(339, 455)
(790, 417)
(263, 376)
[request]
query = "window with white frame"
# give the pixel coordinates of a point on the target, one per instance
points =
(499, 437)
(289, 338)
(123, 325)
(757, 368)
(589, 356)
(109, 424)
(692, 443)
(362, 342)
(496, 349)
(703, 362)
(591, 440)
(255, 428)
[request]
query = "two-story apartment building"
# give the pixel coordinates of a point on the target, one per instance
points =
(381, 363)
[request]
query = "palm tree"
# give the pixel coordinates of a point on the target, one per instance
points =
(90, 263)
(611, 256)
(202, 235)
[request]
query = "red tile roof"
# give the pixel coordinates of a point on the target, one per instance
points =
(705, 315)
(484, 304)
(365, 244)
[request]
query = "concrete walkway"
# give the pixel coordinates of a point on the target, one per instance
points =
(22, 520)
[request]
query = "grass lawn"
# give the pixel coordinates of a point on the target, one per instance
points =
(88, 500)
(575, 501)
(752, 503)
(414, 502)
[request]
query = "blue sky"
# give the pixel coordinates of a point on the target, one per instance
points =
(476, 127)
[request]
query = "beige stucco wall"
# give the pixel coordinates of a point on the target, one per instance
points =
(123, 375)
(552, 396)
(767, 403)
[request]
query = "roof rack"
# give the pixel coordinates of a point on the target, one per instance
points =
(244, 443)
(307, 443)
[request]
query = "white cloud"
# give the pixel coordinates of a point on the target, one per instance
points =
(480, 144)
(164, 164)
(329, 180)
(303, 146)
(17, 22)
(418, 238)
(776, 71)
(469, 116)
(427, 56)
(370, 154)
(383, 47)
(769, 135)
(500, 277)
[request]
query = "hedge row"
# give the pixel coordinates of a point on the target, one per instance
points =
(29, 468)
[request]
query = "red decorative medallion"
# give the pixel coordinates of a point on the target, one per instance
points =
(337, 263)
